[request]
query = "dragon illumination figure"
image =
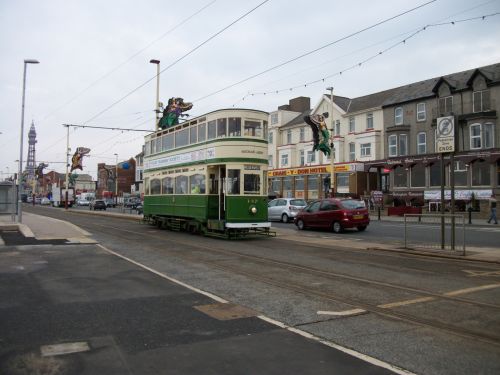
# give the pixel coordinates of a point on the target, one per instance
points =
(318, 126)
(173, 111)
(39, 170)
(77, 159)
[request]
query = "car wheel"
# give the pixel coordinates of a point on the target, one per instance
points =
(300, 224)
(337, 227)
(361, 228)
(284, 218)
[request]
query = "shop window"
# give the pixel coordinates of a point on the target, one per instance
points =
(417, 175)
(312, 187)
(287, 186)
(276, 185)
(435, 174)
(460, 173)
(400, 177)
(342, 180)
(481, 173)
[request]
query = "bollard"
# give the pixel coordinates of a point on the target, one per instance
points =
(470, 215)
(378, 212)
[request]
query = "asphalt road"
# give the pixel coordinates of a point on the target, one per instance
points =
(424, 314)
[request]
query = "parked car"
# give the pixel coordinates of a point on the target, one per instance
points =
(97, 204)
(132, 203)
(45, 201)
(110, 202)
(29, 199)
(38, 200)
(335, 214)
(82, 202)
(284, 209)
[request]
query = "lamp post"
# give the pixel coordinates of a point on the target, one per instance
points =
(19, 205)
(332, 149)
(157, 104)
(116, 179)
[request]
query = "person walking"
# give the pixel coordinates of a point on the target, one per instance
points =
(493, 209)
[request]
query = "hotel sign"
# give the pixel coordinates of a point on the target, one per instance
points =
(445, 134)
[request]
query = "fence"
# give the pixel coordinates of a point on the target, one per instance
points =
(8, 199)
(425, 231)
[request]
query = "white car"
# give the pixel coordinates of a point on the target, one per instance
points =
(82, 202)
(45, 201)
(285, 209)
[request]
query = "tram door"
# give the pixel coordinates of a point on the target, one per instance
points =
(217, 176)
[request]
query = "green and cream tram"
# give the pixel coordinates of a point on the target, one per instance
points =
(209, 174)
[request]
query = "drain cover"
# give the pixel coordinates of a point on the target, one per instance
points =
(226, 311)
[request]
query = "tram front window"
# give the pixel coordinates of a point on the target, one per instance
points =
(253, 128)
(233, 181)
(251, 183)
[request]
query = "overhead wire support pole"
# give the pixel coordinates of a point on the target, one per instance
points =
(67, 166)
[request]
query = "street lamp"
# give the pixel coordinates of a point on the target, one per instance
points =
(157, 104)
(332, 149)
(19, 205)
(116, 179)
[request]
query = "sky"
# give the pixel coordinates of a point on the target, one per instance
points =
(94, 61)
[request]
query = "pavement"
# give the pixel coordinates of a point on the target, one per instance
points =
(82, 309)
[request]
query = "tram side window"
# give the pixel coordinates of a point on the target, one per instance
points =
(221, 127)
(234, 127)
(182, 138)
(167, 185)
(202, 132)
(146, 186)
(147, 149)
(158, 144)
(253, 128)
(233, 181)
(155, 186)
(153, 146)
(197, 184)
(251, 183)
(193, 134)
(212, 130)
(168, 142)
(181, 184)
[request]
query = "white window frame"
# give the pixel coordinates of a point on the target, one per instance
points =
(270, 138)
(477, 137)
(423, 144)
(488, 142)
(352, 151)
(302, 135)
(482, 105)
(302, 158)
(421, 114)
(366, 149)
(369, 121)
(311, 157)
(398, 116)
(352, 124)
(337, 127)
(289, 136)
(392, 142)
(284, 160)
(270, 161)
(274, 118)
(400, 140)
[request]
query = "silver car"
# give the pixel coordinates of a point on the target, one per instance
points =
(284, 209)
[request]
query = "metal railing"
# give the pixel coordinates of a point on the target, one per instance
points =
(442, 232)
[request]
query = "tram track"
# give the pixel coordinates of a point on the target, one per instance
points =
(308, 291)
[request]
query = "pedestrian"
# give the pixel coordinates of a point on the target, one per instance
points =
(493, 209)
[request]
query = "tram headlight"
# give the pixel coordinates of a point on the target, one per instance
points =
(253, 210)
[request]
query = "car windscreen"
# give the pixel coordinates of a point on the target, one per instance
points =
(352, 204)
(298, 202)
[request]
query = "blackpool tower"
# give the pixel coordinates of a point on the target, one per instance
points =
(30, 161)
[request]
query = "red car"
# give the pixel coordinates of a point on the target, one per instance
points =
(335, 214)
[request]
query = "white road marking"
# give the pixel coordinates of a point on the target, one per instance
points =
(66, 348)
(343, 313)
(473, 273)
(471, 290)
(351, 352)
(405, 303)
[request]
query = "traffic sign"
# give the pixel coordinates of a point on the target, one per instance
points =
(445, 134)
